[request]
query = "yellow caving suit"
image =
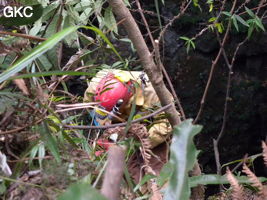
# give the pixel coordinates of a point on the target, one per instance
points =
(145, 98)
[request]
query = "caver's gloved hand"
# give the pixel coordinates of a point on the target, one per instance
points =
(115, 90)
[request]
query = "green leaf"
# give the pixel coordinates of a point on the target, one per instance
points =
(188, 46)
(49, 140)
(33, 152)
(145, 179)
(44, 63)
(227, 13)
(81, 191)
(249, 159)
(36, 52)
(185, 38)
(214, 179)
(192, 44)
(259, 23)
(165, 174)
(195, 2)
(182, 159)
(235, 22)
(41, 154)
(110, 20)
(211, 7)
(219, 27)
(251, 29)
(241, 20)
(250, 12)
(212, 19)
(45, 46)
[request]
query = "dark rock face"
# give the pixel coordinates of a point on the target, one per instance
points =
(246, 120)
(207, 43)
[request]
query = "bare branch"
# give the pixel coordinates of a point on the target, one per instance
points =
(113, 173)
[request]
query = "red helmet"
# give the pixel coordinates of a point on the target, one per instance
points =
(110, 90)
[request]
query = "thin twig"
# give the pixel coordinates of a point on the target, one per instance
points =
(86, 105)
(172, 20)
(227, 97)
(20, 128)
(214, 63)
(30, 37)
(120, 124)
(158, 60)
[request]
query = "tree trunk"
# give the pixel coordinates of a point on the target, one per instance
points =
(153, 71)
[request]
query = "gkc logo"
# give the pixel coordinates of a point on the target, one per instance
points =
(16, 15)
(22, 11)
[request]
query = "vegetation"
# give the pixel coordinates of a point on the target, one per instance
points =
(49, 150)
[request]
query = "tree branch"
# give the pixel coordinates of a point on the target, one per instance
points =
(119, 124)
(153, 72)
(113, 173)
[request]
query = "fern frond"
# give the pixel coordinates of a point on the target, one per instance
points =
(253, 178)
(237, 193)
(264, 152)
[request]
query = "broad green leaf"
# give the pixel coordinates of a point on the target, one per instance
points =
(241, 20)
(110, 20)
(85, 15)
(214, 179)
(44, 63)
(36, 27)
(81, 191)
(36, 52)
(182, 158)
(49, 141)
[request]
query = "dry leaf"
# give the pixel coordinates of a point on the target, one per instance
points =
(22, 86)
(237, 193)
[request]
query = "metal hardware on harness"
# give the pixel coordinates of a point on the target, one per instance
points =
(143, 79)
(116, 108)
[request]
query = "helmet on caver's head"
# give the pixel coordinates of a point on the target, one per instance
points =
(110, 90)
